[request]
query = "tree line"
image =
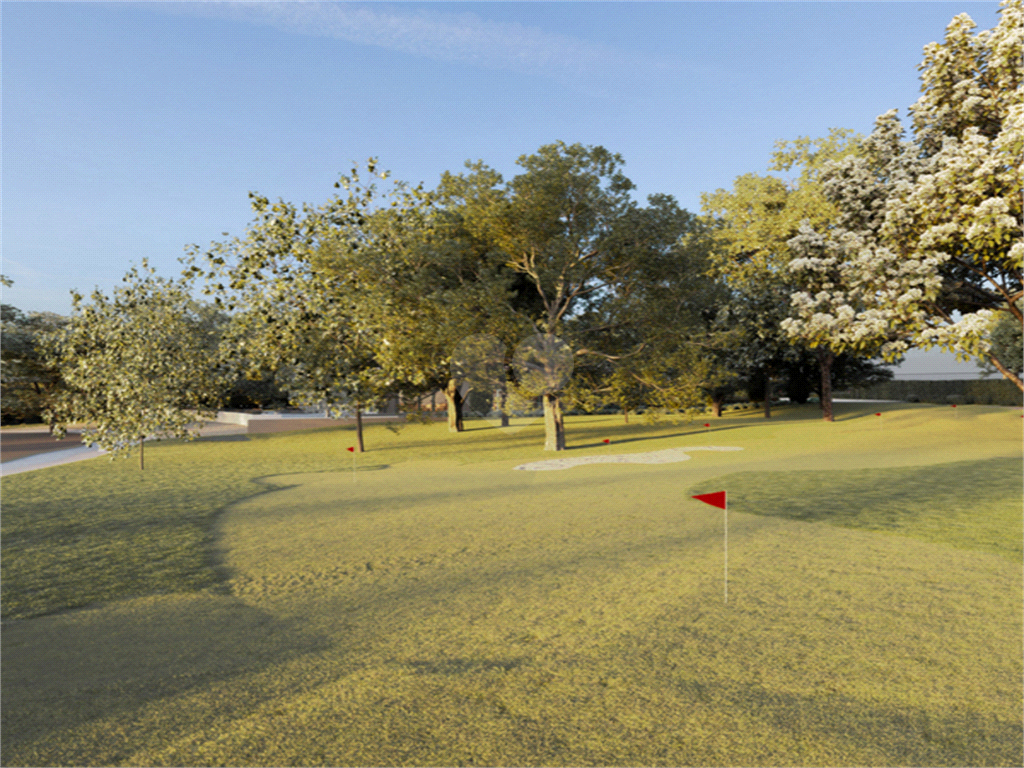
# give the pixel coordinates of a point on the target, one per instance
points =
(556, 284)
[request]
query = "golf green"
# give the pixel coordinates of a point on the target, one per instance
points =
(255, 602)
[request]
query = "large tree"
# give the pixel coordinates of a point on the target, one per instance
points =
(141, 364)
(569, 227)
(294, 315)
(454, 308)
(27, 381)
(753, 225)
(930, 228)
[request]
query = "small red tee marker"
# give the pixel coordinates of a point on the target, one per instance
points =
(707, 425)
(606, 440)
(953, 405)
(350, 449)
(878, 414)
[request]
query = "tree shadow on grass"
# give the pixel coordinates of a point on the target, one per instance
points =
(62, 671)
(934, 502)
(641, 439)
(827, 721)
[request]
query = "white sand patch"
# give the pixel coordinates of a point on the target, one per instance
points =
(666, 456)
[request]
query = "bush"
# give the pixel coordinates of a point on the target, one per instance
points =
(979, 391)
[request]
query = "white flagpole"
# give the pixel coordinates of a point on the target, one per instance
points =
(726, 513)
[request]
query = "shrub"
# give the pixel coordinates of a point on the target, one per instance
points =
(980, 391)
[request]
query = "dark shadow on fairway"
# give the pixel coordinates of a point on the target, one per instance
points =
(61, 672)
(639, 439)
(215, 551)
(908, 501)
(903, 735)
(223, 439)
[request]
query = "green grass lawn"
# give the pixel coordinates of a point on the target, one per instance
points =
(245, 602)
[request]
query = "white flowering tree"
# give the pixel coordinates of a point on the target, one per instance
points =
(753, 226)
(931, 228)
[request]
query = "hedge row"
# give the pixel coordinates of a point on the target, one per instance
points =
(980, 392)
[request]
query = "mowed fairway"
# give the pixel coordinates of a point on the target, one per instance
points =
(446, 610)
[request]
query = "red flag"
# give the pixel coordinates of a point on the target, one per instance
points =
(351, 449)
(714, 499)
(606, 440)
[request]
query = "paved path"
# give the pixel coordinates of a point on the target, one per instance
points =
(48, 459)
(24, 449)
(19, 442)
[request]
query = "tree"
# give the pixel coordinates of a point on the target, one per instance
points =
(139, 365)
(931, 228)
(1007, 340)
(452, 308)
(567, 224)
(752, 228)
(749, 336)
(292, 313)
(27, 382)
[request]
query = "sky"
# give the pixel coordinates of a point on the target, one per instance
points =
(131, 130)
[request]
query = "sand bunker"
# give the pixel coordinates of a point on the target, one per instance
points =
(666, 456)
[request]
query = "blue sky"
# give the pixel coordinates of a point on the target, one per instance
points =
(133, 129)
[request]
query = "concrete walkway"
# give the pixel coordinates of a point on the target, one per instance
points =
(49, 459)
(48, 452)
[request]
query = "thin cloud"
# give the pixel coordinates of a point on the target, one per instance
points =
(463, 37)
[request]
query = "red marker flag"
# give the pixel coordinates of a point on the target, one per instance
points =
(878, 414)
(606, 440)
(707, 425)
(714, 499)
(350, 449)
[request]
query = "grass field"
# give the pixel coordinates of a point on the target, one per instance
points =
(245, 602)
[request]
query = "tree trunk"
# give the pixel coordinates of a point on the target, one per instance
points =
(825, 358)
(454, 398)
(625, 415)
(1007, 373)
(717, 404)
(768, 394)
(554, 427)
(501, 398)
(142, 453)
(359, 429)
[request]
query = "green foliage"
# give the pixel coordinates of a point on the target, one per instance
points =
(141, 364)
(931, 227)
(753, 227)
(992, 392)
(1007, 340)
(27, 383)
(590, 264)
